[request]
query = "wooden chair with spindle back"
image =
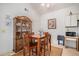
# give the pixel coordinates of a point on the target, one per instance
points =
(46, 43)
(28, 45)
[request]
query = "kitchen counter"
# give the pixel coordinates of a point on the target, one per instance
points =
(75, 38)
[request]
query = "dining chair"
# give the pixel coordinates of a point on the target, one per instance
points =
(46, 44)
(30, 47)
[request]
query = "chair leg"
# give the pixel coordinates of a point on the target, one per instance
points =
(24, 52)
(32, 51)
(44, 50)
(29, 52)
(48, 49)
(50, 46)
(36, 51)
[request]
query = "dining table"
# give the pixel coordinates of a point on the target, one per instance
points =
(38, 39)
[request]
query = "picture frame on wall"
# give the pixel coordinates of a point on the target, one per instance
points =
(52, 23)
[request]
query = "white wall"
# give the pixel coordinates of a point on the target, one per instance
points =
(6, 32)
(61, 20)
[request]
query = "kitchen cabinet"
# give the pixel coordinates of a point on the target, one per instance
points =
(71, 20)
(67, 21)
(72, 39)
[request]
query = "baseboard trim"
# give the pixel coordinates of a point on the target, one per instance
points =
(9, 53)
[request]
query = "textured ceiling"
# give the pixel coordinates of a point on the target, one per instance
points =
(53, 7)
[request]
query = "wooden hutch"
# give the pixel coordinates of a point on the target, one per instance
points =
(22, 24)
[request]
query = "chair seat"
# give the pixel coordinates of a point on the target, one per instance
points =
(26, 47)
(42, 43)
(32, 45)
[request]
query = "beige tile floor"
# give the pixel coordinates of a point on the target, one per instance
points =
(65, 51)
(68, 51)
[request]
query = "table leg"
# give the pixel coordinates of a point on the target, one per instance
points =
(38, 47)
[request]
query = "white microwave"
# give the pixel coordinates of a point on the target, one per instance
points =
(70, 33)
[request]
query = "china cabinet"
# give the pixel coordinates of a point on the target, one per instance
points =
(22, 24)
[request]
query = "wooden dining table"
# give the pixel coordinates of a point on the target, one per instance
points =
(38, 39)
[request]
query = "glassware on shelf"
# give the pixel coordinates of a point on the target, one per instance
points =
(18, 24)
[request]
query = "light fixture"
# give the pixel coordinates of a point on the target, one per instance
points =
(8, 19)
(42, 4)
(26, 9)
(45, 5)
(70, 13)
(48, 5)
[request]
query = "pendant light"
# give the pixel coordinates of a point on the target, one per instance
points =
(45, 5)
(70, 14)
